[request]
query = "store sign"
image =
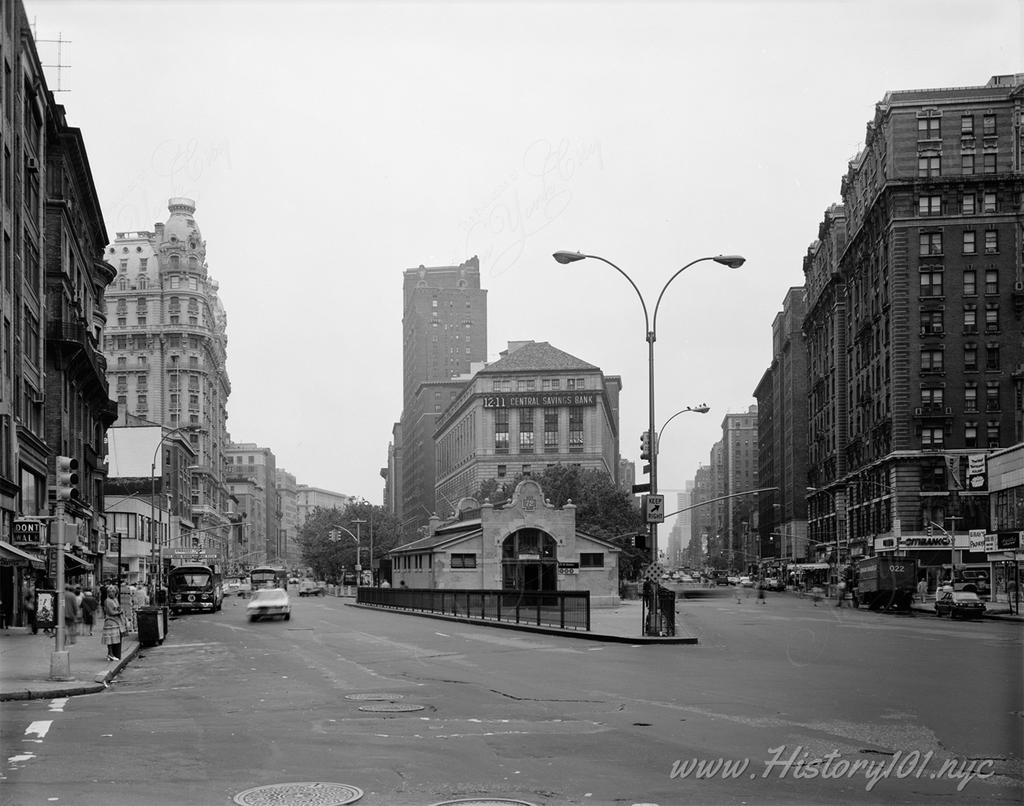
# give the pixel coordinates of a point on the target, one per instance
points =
(933, 542)
(976, 539)
(27, 532)
(990, 542)
(1008, 541)
(544, 399)
(977, 472)
(885, 543)
(568, 568)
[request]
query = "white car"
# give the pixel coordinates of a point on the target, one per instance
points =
(268, 602)
(746, 582)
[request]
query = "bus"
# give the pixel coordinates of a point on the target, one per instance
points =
(268, 577)
(193, 588)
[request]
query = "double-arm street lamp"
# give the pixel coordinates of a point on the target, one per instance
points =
(650, 330)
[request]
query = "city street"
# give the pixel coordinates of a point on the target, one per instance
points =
(226, 705)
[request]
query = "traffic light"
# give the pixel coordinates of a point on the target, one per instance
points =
(645, 445)
(67, 479)
(641, 540)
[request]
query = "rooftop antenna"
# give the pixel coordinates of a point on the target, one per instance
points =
(60, 42)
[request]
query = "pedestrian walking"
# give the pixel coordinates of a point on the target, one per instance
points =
(840, 593)
(72, 615)
(30, 608)
(89, 607)
(80, 618)
(113, 624)
(760, 594)
(922, 588)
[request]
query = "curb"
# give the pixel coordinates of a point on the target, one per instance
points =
(586, 636)
(72, 691)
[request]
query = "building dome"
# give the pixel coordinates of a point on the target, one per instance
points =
(181, 226)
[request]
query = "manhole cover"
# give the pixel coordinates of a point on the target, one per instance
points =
(305, 793)
(391, 707)
(484, 802)
(374, 696)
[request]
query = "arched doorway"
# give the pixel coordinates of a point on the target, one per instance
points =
(529, 561)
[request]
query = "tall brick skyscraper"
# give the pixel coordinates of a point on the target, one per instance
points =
(444, 332)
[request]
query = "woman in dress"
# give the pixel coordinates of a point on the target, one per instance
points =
(113, 623)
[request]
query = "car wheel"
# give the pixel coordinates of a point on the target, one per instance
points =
(287, 616)
(254, 618)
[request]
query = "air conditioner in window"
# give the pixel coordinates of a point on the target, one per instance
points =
(917, 410)
(949, 410)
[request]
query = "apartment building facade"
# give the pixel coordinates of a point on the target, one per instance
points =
(915, 298)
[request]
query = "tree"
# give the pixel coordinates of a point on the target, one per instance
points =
(329, 557)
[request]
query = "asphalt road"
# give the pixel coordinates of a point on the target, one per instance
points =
(225, 705)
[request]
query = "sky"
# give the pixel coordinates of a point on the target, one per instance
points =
(331, 145)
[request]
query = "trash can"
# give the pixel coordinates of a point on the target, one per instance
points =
(151, 625)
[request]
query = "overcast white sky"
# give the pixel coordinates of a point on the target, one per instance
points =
(330, 145)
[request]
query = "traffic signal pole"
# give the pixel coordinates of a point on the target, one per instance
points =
(60, 658)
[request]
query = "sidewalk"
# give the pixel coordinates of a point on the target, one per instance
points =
(25, 664)
(622, 624)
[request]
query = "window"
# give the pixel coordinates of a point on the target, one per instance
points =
(928, 166)
(988, 203)
(992, 434)
(992, 317)
(928, 128)
(988, 125)
(970, 282)
(931, 360)
(523, 385)
(502, 471)
(991, 242)
(991, 281)
(929, 205)
(503, 386)
(526, 433)
(143, 263)
(970, 318)
(967, 164)
(527, 471)
(930, 243)
(970, 357)
(501, 430)
(970, 242)
(931, 437)
(551, 430)
(931, 397)
(992, 356)
(931, 321)
(463, 561)
(992, 396)
(931, 283)
(988, 162)
(575, 429)
(971, 397)
(967, 125)
(591, 559)
(970, 435)
(576, 383)
(967, 204)
(550, 384)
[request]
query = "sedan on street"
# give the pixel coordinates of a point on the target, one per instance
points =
(267, 602)
(965, 604)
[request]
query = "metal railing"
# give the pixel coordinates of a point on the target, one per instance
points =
(567, 610)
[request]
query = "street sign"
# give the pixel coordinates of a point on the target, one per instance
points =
(641, 488)
(654, 508)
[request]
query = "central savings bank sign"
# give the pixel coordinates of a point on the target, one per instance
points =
(545, 400)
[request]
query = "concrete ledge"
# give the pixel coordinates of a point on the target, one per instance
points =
(582, 634)
(47, 690)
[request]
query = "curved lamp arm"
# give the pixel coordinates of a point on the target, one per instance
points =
(732, 261)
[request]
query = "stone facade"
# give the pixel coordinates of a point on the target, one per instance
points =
(526, 544)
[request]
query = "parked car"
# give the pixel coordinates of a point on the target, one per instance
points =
(267, 602)
(773, 584)
(746, 582)
(309, 587)
(232, 586)
(965, 604)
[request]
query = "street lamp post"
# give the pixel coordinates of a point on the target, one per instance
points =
(650, 328)
(334, 537)
(155, 558)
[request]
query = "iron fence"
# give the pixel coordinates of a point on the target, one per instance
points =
(568, 610)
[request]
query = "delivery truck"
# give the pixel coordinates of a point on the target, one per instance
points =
(885, 582)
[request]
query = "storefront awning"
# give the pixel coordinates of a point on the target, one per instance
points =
(73, 564)
(811, 566)
(19, 557)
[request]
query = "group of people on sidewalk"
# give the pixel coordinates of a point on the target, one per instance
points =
(81, 612)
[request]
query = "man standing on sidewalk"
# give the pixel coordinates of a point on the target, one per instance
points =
(72, 614)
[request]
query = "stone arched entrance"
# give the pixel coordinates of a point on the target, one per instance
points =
(529, 561)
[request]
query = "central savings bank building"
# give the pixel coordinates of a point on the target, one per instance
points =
(534, 407)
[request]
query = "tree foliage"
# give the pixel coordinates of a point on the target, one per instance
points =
(328, 558)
